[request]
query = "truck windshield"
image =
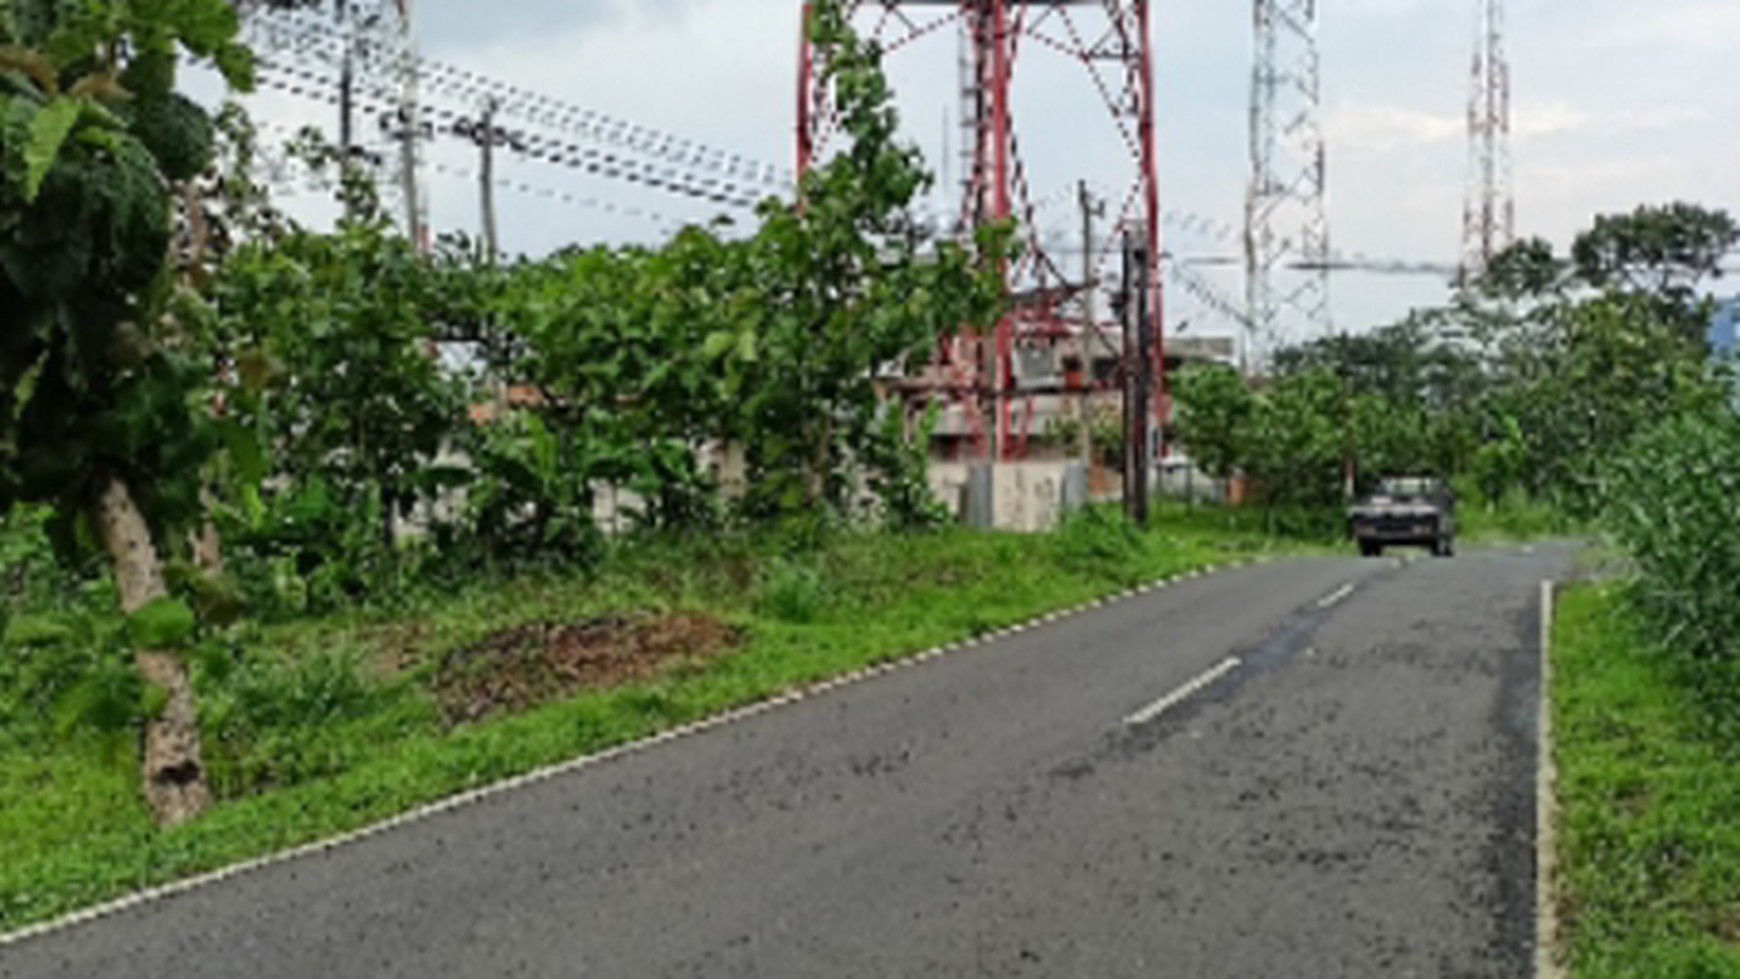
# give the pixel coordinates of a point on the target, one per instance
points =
(1407, 487)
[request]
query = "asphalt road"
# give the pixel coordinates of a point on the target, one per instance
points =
(1345, 790)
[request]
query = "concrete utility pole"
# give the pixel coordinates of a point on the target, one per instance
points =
(486, 138)
(1090, 209)
(346, 82)
(1137, 316)
(411, 131)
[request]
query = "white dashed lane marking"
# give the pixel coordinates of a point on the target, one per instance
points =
(1337, 597)
(1179, 696)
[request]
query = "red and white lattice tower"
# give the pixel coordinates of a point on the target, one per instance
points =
(1489, 213)
(1110, 41)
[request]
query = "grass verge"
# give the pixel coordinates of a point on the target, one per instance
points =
(1648, 749)
(319, 727)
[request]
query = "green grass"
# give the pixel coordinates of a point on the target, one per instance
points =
(300, 749)
(1517, 518)
(1648, 748)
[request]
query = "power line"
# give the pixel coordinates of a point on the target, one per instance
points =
(320, 87)
(550, 193)
(293, 179)
(313, 37)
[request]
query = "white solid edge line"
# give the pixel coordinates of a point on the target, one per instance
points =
(483, 793)
(1183, 693)
(1337, 597)
(1546, 809)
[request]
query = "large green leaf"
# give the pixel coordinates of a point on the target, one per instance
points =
(164, 624)
(48, 133)
(36, 630)
(245, 452)
(204, 25)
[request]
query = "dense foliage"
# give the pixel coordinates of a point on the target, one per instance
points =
(1672, 506)
(100, 359)
(342, 418)
(505, 414)
(1528, 385)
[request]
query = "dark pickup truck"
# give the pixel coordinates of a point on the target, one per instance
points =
(1410, 510)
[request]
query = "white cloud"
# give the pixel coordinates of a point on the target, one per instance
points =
(1551, 119)
(1381, 128)
(1698, 25)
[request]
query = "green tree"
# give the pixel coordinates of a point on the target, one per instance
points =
(1215, 408)
(335, 338)
(101, 383)
(773, 342)
(1667, 251)
(1292, 438)
(852, 293)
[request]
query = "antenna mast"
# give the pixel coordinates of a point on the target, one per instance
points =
(1489, 211)
(1286, 220)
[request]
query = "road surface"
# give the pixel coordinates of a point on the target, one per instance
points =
(1313, 768)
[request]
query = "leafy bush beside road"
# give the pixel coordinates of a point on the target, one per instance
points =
(1674, 507)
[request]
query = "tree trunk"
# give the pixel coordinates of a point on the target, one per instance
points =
(206, 543)
(174, 775)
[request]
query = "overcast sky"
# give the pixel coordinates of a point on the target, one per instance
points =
(1618, 102)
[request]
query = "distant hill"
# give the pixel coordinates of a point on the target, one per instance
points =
(1725, 326)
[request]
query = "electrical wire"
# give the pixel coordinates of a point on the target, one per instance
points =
(313, 85)
(327, 42)
(664, 222)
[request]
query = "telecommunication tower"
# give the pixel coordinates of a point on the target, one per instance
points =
(376, 52)
(1110, 40)
(1286, 222)
(1489, 210)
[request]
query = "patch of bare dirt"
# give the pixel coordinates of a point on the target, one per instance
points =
(534, 664)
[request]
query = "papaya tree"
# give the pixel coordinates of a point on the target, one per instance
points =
(102, 383)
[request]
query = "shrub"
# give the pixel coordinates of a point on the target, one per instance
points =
(795, 592)
(1671, 504)
(1099, 542)
(271, 721)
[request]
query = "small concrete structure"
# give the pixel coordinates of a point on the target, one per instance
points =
(1027, 497)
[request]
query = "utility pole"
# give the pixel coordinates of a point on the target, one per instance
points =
(487, 135)
(411, 124)
(346, 81)
(486, 178)
(1137, 316)
(1090, 209)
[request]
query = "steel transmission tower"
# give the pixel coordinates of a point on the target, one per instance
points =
(1489, 212)
(979, 377)
(376, 52)
(1286, 222)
